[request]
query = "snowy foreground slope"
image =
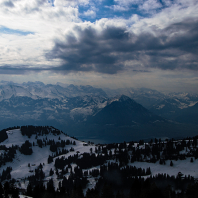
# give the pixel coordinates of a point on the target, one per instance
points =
(142, 159)
(20, 169)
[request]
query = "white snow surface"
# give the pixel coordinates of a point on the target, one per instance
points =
(184, 166)
(161, 106)
(20, 168)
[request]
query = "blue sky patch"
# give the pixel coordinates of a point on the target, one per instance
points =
(105, 9)
(5, 30)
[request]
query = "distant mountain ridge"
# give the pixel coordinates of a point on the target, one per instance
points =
(37, 90)
(88, 111)
(149, 98)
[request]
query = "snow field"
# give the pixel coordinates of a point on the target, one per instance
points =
(19, 165)
(20, 169)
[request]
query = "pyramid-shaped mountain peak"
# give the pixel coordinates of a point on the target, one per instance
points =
(124, 98)
(123, 111)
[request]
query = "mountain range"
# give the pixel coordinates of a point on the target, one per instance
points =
(89, 112)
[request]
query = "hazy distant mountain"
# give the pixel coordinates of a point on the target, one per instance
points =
(37, 90)
(188, 115)
(144, 96)
(168, 108)
(124, 111)
(177, 105)
(123, 119)
(44, 111)
(191, 98)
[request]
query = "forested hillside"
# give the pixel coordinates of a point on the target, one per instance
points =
(44, 162)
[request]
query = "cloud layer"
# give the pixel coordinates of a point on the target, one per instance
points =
(100, 37)
(109, 48)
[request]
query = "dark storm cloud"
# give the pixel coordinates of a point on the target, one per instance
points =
(106, 51)
(92, 52)
(173, 47)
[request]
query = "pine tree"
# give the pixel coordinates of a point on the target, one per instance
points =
(107, 192)
(15, 193)
(29, 190)
(51, 172)
(1, 191)
(119, 195)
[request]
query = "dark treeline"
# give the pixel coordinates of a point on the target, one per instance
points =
(54, 145)
(73, 188)
(153, 151)
(38, 130)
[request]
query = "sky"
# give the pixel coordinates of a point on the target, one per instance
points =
(103, 43)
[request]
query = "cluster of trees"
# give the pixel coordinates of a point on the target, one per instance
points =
(151, 152)
(54, 145)
(71, 187)
(26, 148)
(61, 163)
(3, 135)
(128, 171)
(58, 153)
(68, 187)
(137, 187)
(8, 154)
(40, 191)
(8, 189)
(73, 181)
(6, 174)
(38, 130)
(89, 160)
(38, 176)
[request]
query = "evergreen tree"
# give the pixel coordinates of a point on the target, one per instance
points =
(192, 191)
(107, 192)
(15, 193)
(29, 190)
(1, 191)
(120, 195)
(77, 192)
(50, 186)
(93, 193)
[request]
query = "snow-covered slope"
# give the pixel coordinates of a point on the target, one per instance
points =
(20, 168)
(24, 166)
